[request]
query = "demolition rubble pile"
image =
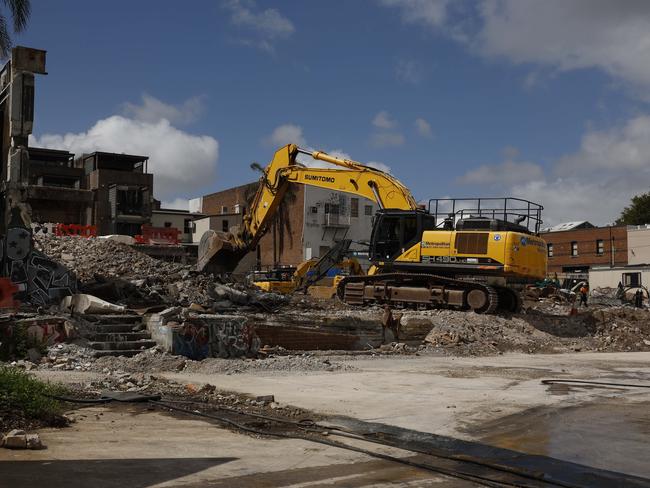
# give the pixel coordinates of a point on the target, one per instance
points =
(538, 331)
(71, 357)
(118, 273)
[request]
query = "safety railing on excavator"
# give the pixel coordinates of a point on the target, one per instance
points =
(514, 210)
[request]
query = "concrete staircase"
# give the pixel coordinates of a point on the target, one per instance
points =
(113, 335)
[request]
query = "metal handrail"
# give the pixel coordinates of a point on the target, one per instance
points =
(515, 210)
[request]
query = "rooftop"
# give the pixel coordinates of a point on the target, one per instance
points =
(580, 224)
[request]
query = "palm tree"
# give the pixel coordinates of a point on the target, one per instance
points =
(19, 11)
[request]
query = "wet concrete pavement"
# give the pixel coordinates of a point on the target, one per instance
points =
(605, 435)
(498, 401)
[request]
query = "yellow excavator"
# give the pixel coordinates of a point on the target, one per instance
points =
(317, 276)
(459, 253)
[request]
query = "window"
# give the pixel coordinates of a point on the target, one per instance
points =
(188, 226)
(129, 201)
(237, 209)
(368, 210)
(354, 207)
(549, 250)
(331, 208)
(224, 209)
(167, 224)
(313, 210)
(224, 225)
(600, 247)
(632, 279)
(574, 248)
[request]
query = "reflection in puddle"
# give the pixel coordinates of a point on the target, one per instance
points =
(608, 436)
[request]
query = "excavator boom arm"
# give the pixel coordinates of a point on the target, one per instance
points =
(351, 177)
(221, 251)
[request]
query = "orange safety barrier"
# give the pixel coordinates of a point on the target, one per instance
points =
(75, 230)
(7, 291)
(159, 235)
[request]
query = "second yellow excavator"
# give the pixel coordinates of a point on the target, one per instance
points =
(465, 254)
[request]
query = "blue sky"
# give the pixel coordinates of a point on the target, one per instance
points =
(546, 100)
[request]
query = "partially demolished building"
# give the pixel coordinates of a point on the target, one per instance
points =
(113, 192)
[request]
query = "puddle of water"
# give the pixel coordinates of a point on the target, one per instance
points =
(604, 435)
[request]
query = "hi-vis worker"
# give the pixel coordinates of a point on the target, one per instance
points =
(584, 291)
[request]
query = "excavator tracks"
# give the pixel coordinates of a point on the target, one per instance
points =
(421, 290)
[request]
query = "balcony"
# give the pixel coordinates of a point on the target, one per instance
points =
(336, 220)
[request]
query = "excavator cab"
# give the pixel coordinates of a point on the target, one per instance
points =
(395, 231)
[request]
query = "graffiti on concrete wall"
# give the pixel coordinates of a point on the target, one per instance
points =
(233, 337)
(40, 280)
(215, 336)
(192, 341)
(47, 333)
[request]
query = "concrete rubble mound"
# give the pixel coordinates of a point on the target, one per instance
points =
(118, 273)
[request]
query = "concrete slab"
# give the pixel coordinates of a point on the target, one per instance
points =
(128, 445)
(457, 396)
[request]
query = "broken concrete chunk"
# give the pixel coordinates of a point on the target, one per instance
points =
(34, 441)
(170, 312)
(265, 399)
(195, 307)
(118, 238)
(89, 304)
(34, 355)
(18, 439)
(235, 296)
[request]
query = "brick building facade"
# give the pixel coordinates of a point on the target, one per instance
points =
(308, 223)
(576, 251)
(282, 244)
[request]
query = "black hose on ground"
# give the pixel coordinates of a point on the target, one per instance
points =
(595, 383)
(455, 474)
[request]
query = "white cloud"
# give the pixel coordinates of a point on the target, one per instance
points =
(153, 110)
(178, 160)
(625, 148)
(423, 128)
(383, 121)
(613, 36)
(286, 134)
(380, 166)
(409, 71)
(593, 183)
(505, 172)
(561, 35)
(176, 203)
(387, 139)
(570, 199)
(430, 12)
(265, 26)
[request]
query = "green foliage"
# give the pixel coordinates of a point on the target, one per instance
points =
(638, 212)
(21, 392)
(19, 11)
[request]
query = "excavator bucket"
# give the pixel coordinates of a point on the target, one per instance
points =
(218, 252)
